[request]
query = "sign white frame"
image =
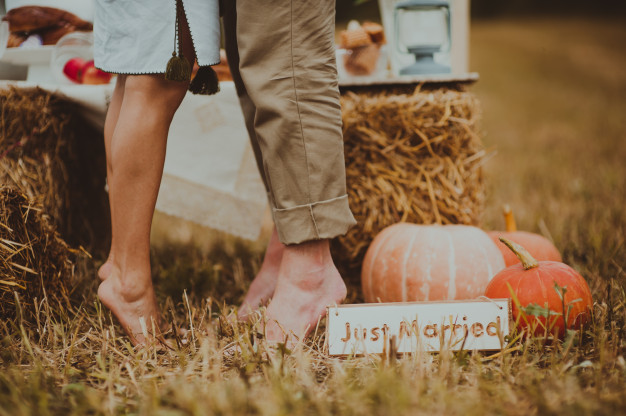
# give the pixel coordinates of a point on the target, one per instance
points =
(372, 328)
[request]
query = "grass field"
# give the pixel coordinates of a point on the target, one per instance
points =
(554, 102)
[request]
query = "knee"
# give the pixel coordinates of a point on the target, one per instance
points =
(154, 90)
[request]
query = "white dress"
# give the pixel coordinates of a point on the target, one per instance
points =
(137, 36)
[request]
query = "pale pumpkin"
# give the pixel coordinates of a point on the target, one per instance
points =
(409, 262)
(538, 246)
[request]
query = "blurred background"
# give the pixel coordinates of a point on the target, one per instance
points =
(552, 89)
(553, 92)
(481, 9)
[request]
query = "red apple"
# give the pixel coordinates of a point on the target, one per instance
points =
(73, 69)
(93, 75)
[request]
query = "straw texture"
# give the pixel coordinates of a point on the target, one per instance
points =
(52, 190)
(56, 159)
(34, 261)
(410, 156)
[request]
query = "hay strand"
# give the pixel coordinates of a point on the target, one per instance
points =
(34, 261)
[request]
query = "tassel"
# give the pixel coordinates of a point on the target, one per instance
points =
(205, 82)
(178, 69)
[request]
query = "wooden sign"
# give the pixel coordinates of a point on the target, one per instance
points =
(371, 328)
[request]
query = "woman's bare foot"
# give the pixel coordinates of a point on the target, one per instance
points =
(263, 286)
(133, 303)
(105, 270)
(308, 281)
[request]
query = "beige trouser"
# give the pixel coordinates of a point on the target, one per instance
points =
(282, 57)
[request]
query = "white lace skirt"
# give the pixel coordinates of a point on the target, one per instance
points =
(137, 36)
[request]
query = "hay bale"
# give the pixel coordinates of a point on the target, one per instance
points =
(34, 261)
(56, 158)
(413, 157)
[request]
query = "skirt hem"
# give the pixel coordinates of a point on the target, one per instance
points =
(143, 72)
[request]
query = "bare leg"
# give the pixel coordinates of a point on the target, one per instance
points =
(263, 286)
(137, 154)
(111, 123)
(136, 129)
(113, 114)
(308, 281)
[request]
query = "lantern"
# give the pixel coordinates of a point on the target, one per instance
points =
(422, 29)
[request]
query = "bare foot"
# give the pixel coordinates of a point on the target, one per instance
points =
(134, 305)
(105, 270)
(308, 281)
(263, 286)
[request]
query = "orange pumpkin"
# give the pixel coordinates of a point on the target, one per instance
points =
(534, 284)
(409, 262)
(538, 246)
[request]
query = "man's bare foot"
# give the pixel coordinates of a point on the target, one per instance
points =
(308, 281)
(133, 303)
(263, 286)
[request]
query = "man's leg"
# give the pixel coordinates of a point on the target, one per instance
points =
(263, 286)
(287, 66)
(264, 283)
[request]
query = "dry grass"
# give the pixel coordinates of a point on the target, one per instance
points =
(556, 121)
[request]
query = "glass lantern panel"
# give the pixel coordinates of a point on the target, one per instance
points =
(423, 28)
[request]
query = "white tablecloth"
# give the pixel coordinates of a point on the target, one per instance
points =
(210, 175)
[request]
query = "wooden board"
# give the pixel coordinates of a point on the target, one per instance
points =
(479, 324)
(469, 77)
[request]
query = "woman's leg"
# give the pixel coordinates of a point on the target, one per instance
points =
(137, 154)
(110, 122)
(136, 131)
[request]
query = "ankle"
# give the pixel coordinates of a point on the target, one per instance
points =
(311, 252)
(309, 267)
(275, 249)
(274, 253)
(131, 285)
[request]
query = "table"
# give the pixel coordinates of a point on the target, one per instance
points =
(210, 175)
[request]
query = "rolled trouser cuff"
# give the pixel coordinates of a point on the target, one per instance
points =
(316, 221)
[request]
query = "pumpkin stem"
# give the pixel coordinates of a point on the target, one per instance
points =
(528, 261)
(509, 219)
